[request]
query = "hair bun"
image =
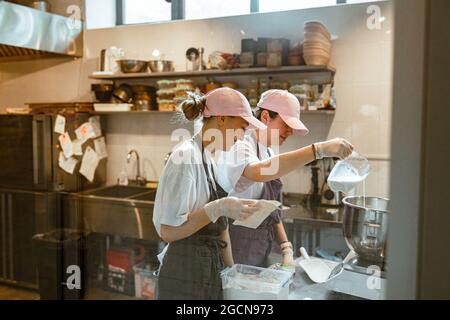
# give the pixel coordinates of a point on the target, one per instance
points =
(193, 106)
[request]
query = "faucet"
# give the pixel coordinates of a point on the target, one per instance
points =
(140, 180)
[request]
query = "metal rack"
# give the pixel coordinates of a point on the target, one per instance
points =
(324, 73)
(326, 70)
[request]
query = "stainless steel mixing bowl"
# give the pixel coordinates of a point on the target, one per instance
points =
(160, 66)
(365, 226)
(132, 66)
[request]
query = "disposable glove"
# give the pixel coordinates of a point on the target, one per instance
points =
(288, 255)
(231, 207)
(334, 148)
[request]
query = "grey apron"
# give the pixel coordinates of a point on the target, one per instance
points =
(253, 246)
(191, 267)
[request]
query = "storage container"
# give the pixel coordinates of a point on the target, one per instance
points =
(243, 282)
(145, 277)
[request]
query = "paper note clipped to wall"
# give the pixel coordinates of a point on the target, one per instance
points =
(68, 165)
(85, 132)
(60, 124)
(89, 164)
(77, 147)
(66, 145)
(96, 126)
(100, 148)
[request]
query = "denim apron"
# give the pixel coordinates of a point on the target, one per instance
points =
(253, 246)
(191, 266)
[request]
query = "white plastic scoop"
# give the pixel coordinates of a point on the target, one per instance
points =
(317, 270)
(320, 272)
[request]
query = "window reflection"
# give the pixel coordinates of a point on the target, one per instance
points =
(142, 11)
(202, 9)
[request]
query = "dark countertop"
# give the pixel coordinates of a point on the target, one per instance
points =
(300, 208)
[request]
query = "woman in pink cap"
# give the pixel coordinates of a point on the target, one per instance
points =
(251, 170)
(191, 210)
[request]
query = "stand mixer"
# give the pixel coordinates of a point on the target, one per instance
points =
(365, 225)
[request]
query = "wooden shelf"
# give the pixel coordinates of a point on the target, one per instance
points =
(132, 112)
(153, 112)
(318, 112)
(218, 73)
(312, 112)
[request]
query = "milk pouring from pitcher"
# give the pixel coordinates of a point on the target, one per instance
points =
(348, 173)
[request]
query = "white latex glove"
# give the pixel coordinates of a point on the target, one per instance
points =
(288, 254)
(338, 148)
(231, 207)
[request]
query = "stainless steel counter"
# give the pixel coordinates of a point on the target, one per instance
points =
(348, 285)
(303, 216)
(299, 208)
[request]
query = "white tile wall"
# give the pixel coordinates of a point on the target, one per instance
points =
(149, 135)
(363, 59)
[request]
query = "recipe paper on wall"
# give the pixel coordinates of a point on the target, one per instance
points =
(77, 147)
(66, 144)
(89, 164)
(100, 147)
(266, 207)
(60, 124)
(96, 127)
(85, 132)
(67, 164)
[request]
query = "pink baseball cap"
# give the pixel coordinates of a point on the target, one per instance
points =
(228, 102)
(286, 105)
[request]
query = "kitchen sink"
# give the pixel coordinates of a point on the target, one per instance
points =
(119, 192)
(149, 196)
(116, 210)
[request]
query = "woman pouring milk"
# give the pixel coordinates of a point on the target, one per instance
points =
(191, 209)
(251, 170)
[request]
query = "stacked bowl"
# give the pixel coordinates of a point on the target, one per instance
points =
(317, 44)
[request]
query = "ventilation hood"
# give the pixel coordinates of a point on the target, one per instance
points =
(27, 33)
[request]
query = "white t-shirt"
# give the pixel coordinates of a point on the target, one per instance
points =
(183, 186)
(231, 166)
